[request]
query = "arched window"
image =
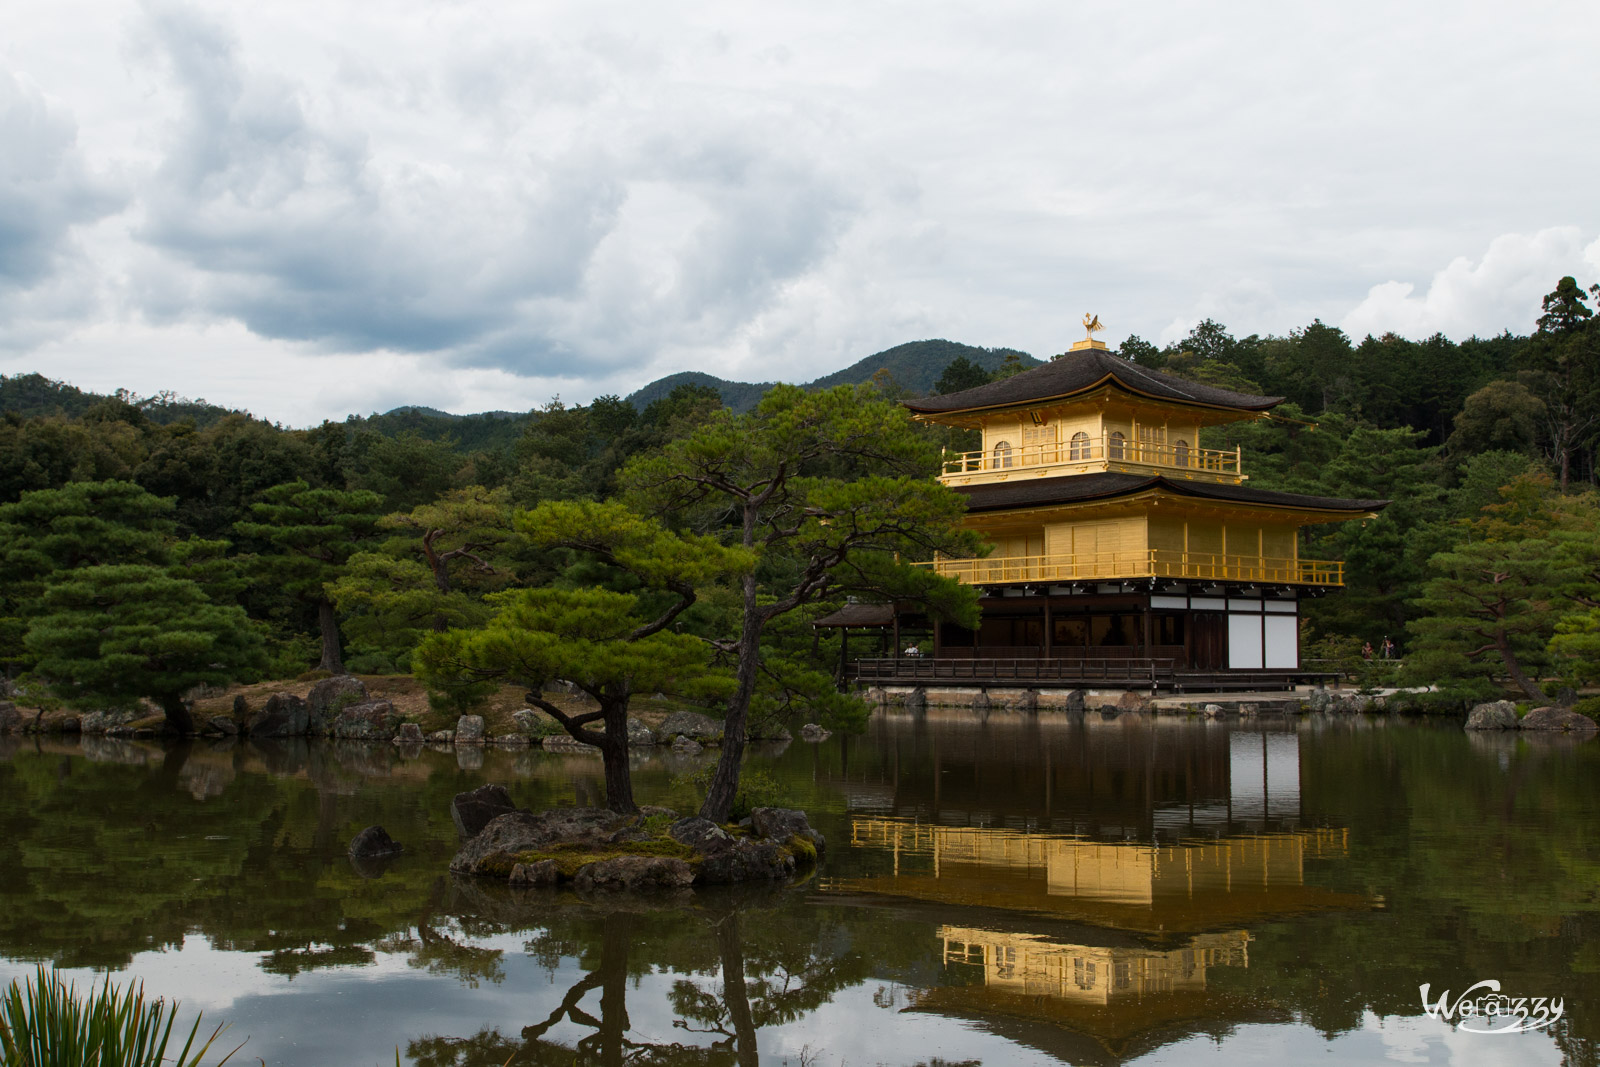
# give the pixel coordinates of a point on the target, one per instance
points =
(1002, 454)
(1079, 447)
(1118, 445)
(1180, 453)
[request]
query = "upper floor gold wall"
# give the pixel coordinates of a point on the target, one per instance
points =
(1091, 436)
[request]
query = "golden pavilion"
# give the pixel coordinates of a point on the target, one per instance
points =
(1124, 549)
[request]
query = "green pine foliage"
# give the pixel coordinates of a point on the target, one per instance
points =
(49, 533)
(116, 633)
(309, 536)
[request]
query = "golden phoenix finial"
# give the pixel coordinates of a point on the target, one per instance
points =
(1092, 324)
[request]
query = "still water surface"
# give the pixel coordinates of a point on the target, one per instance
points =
(998, 890)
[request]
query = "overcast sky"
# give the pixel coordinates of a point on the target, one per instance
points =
(309, 209)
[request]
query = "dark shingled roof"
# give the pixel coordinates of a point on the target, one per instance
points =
(1069, 489)
(1078, 372)
(859, 615)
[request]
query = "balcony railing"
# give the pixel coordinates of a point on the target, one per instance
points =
(1150, 563)
(1092, 453)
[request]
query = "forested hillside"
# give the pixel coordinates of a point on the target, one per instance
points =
(914, 368)
(1485, 568)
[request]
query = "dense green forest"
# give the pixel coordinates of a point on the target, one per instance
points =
(375, 532)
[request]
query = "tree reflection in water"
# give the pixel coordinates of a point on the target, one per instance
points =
(775, 975)
(1483, 851)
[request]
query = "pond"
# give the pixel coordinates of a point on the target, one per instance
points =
(997, 889)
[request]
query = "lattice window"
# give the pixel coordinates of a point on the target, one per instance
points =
(1038, 444)
(1152, 442)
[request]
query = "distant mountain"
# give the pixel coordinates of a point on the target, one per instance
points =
(914, 366)
(490, 431)
(435, 413)
(34, 395)
(740, 396)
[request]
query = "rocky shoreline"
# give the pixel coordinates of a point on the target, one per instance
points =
(341, 707)
(1502, 715)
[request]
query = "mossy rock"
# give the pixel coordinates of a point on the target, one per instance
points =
(557, 846)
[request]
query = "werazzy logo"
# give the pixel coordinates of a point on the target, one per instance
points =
(1482, 1009)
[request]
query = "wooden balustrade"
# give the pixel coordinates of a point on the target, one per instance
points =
(1092, 453)
(1150, 563)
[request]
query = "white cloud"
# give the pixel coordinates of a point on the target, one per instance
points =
(1243, 300)
(1501, 290)
(655, 221)
(585, 195)
(47, 195)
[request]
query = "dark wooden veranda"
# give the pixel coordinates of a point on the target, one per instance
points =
(1034, 672)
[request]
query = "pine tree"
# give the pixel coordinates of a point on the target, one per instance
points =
(609, 644)
(54, 531)
(119, 632)
(315, 532)
(1494, 599)
(826, 491)
(432, 575)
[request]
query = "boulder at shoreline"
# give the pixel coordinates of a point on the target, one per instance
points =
(1496, 715)
(1554, 719)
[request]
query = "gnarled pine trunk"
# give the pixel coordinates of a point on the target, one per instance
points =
(177, 713)
(328, 623)
(718, 804)
(614, 755)
(1513, 668)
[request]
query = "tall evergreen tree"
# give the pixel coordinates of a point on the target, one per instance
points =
(1564, 372)
(125, 631)
(430, 577)
(609, 644)
(52, 532)
(960, 374)
(314, 533)
(1493, 599)
(826, 491)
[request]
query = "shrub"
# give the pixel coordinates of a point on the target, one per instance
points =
(47, 1022)
(757, 789)
(370, 663)
(545, 726)
(466, 698)
(290, 657)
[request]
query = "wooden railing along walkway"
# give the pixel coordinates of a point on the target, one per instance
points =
(1147, 563)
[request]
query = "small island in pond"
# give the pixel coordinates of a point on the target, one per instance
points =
(599, 850)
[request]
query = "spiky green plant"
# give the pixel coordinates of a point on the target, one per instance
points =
(46, 1022)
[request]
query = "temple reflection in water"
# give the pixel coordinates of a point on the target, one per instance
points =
(1031, 965)
(1128, 777)
(1105, 940)
(1149, 888)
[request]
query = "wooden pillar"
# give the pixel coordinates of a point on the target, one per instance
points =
(1049, 630)
(895, 614)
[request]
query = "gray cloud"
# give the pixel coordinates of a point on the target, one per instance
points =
(476, 200)
(599, 245)
(47, 194)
